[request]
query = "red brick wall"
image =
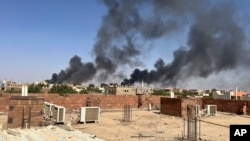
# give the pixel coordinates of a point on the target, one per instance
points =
(230, 106)
(74, 101)
(25, 107)
(187, 101)
(171, 106)
(4, 103)
(154, 100)
(178, 107)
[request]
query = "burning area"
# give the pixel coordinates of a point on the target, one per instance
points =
(216, 42)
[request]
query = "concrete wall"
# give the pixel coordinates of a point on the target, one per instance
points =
(125, 91)
(218, 95)
(121, 90)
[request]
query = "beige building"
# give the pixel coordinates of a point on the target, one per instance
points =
(143, 91)
(127, 90)
(6, 85)
(120, 90)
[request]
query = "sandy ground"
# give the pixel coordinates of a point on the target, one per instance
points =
(152, 126)
(147, 126)
(3, 120)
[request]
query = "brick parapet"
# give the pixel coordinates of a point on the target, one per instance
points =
(74, 101)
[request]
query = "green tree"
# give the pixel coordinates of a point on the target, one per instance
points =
(12, 90)
(34, 88)
(160, 92)
(93, 89)
(83, 91)
(62, 89)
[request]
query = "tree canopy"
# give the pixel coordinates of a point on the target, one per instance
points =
(62, 89)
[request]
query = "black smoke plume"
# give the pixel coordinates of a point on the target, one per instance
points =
(215, 41)
(215, 44)
(76, 73)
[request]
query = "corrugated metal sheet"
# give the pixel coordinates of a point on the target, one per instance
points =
(50, 133)
(1, 136)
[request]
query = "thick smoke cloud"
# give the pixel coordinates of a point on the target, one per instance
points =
(215, 42)
(76, 73)
(114, 39)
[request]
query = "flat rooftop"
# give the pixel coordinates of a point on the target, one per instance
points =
(145, 126)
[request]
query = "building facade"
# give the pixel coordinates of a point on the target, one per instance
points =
(127, 90)
(120, 90)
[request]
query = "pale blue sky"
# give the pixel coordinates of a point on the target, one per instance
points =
(39, 37)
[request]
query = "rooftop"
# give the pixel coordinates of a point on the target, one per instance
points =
(145, 125)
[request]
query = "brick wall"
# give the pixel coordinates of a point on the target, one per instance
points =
(23, 110)
(153, 100)
(4, 103)
(74, 101)
(178, 107)
(188, 101)
(168, 105)
(230, 106)
(171, 106)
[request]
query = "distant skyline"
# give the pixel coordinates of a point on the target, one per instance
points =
(38, 38)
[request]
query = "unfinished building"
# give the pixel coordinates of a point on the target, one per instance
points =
(128, 90)
(25, 111)
(178, 106)
(120, 90)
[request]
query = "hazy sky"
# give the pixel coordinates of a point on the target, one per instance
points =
(39, 37)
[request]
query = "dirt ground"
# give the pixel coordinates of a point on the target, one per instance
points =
(152, 126)
(3, 120)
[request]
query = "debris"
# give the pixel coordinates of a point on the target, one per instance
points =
(66, 127)
(92, 136)
(160, 128)
(13, 132)
(51, 127)
(140, 135)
